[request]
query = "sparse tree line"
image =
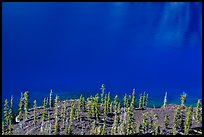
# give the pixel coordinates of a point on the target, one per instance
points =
(116, 115)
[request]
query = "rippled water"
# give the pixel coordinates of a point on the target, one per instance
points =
(75, 47)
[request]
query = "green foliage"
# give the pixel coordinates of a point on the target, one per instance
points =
(11, 112)
(145, 123)
(35, 111)
(26, 103)
(126, 104)
(50, 101)
(119, 108)
(44, 112)
(131, 124)
(72, 113)
(166, 121)
(104, 132)
(183, 98)
(102, 93)
(140, 101)
(108, 102)
(143, 99)
(56, 126)
(3, 128)
(146, 101)
(20, 110)
(63, 109)
(133, 101)
(111, 107)
(89, 104)
(198, 115)
(6, 111)
(10, 128)
(188, 121)
(69, 129)
(115, 103)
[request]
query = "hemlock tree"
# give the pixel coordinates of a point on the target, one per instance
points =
(145, 123)
(133, 101)
(26, 103)
(183, 98)
(10, 127)
(56, 126)
(102, 93)
(146, 101)
(188, 121)
(50, 101)
(108, 102)
(176, 121)
(44, 113)
(143, 99)
(115, 103)
(20, 113)
(3, 128)
(130, 125)
(104, 132)
(198, 115)
(11, 112)
(6, 111)
(166, 121)
(140, 101)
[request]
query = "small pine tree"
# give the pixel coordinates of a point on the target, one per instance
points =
(104, 132)
(198, 115)
(188, 121)
(69, 129)
(44, 113)
(10, 128)
(108, 102)
(166, 121)
(63, 113)
(133, 101)
(56, 126)
(143, 99)
(89, 113)
(111, 107)
(26, 103)
(102, 93)
(72, 112)
(115, 103)
(119, 108)
(145, 123)
(6, 111)
(50, 101)
(11, 112)
(105, 110)
(140, 101)
(183, 98)
(20, 113)
(176, 121)
(130, 125)
(35, 111)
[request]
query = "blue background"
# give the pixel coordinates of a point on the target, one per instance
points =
(73, 48)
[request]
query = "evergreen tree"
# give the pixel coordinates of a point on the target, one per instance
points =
(104, 132)
(145, 123)
(50, 101)
(56, 126)
(130, 125)
(126, 104)
(140, 101)
(183, 98)
(6, 111)
(10, 128)
(123, 128)
(56, 106)
(198, 115)
(102, 93)
(108, 102)
(83, 103)
(115, 103)
(20, 113)
(69, 129)
(176, 121)
(44, 112)
(111, 107)
(105, 110)
(63, 113)
(26, 103)
(133, 101)
(93, 128)
(166, 121)
(119, 108)
(188, 121)
(72, 112)
(11, 112)
(89, 113)
(143, 99)
(35, 111)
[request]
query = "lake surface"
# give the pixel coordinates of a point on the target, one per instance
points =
(73, 48)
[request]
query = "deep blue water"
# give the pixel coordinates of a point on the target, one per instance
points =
(75, 47)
